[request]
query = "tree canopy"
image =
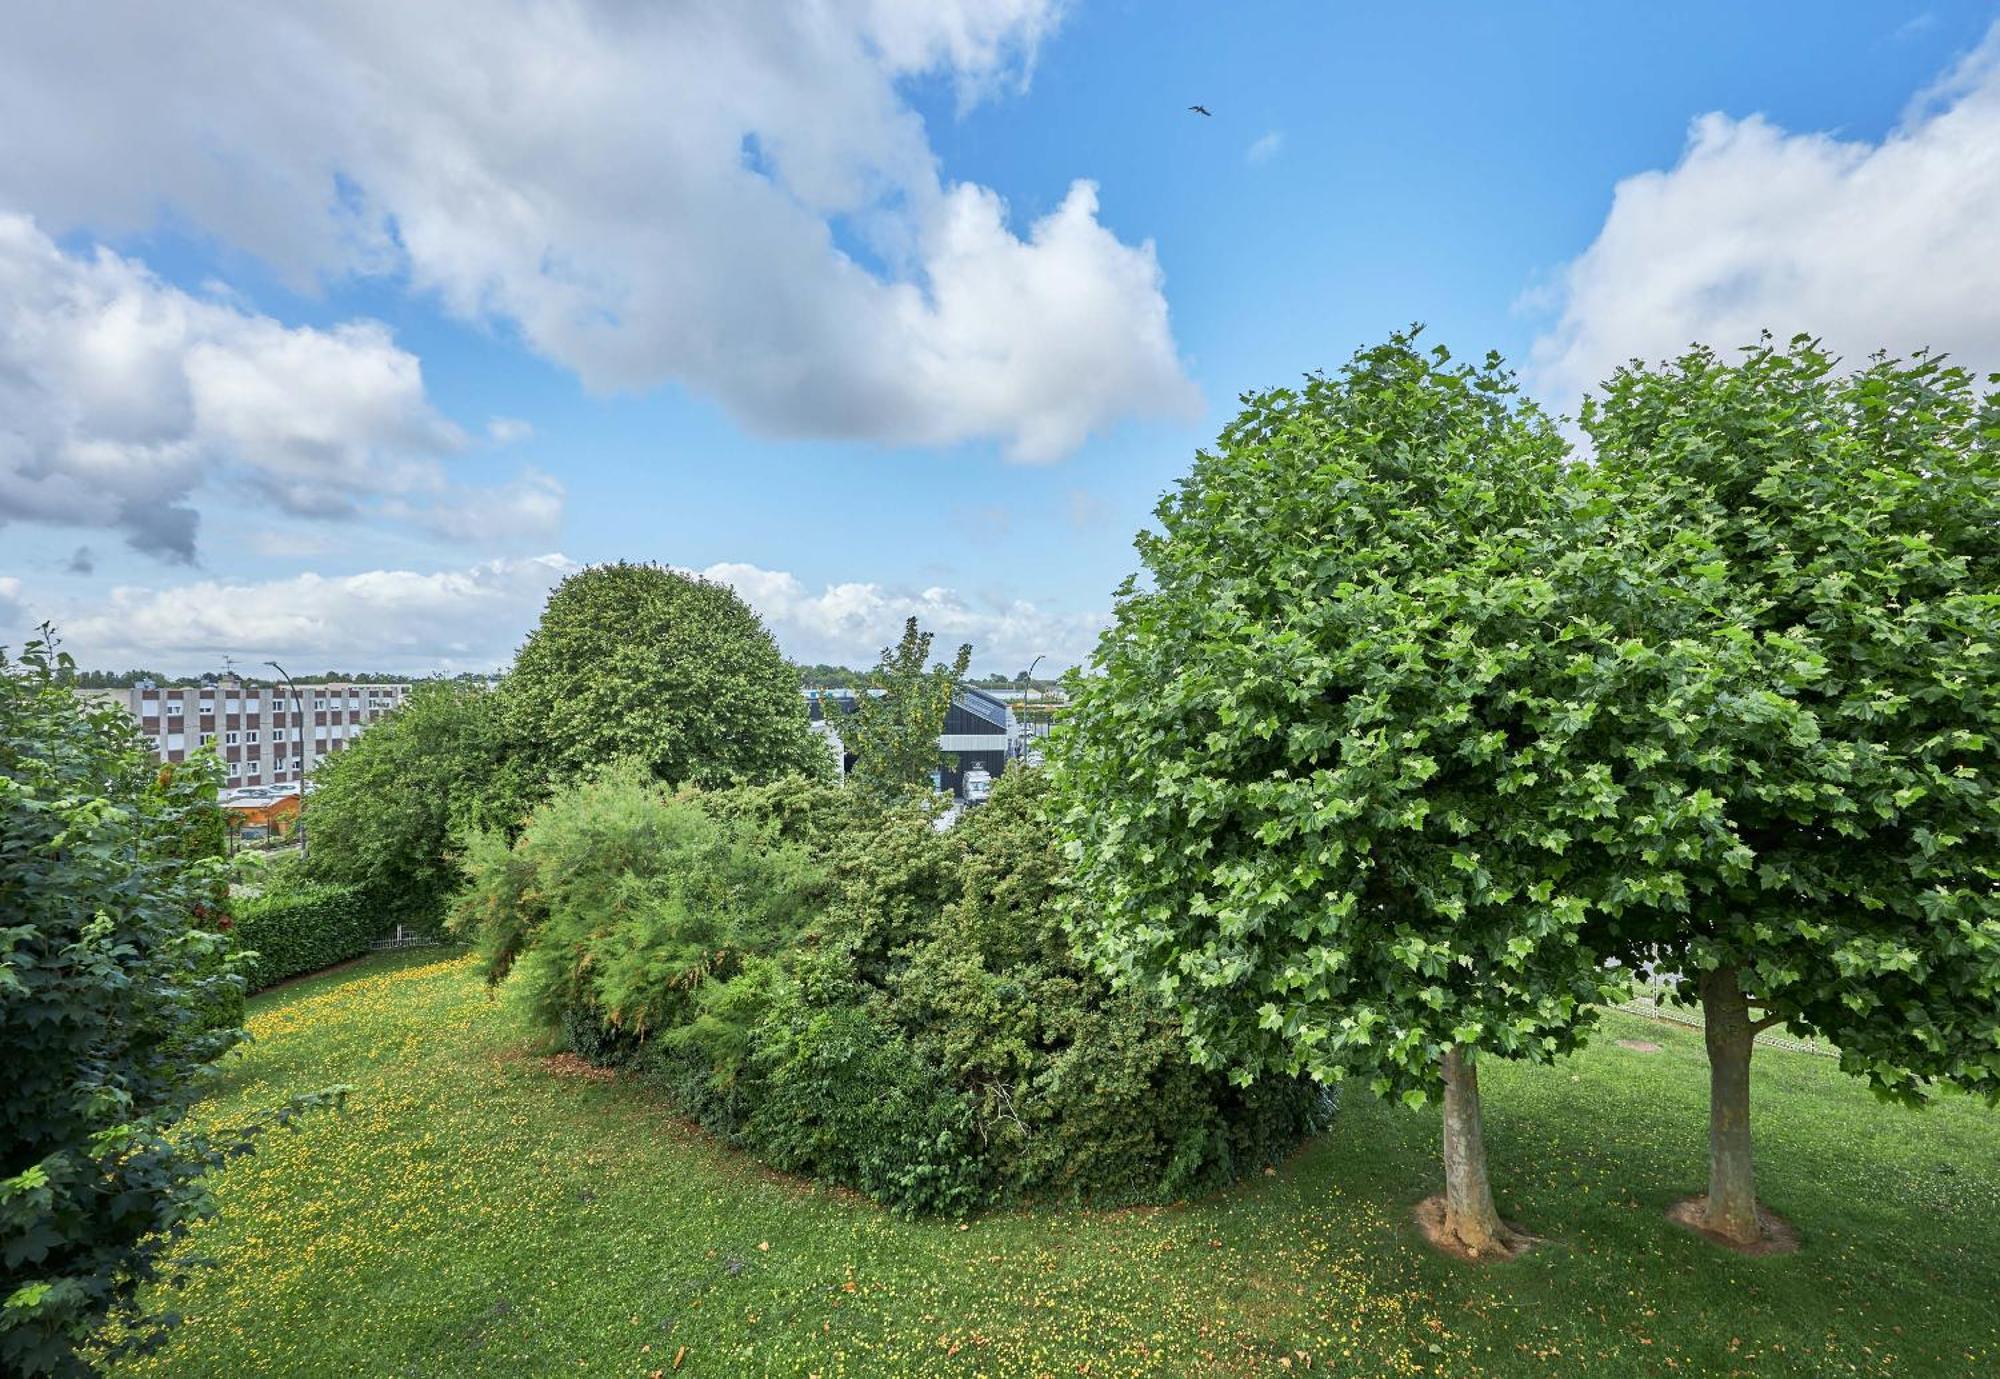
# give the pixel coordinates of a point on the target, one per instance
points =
(1321, 792)
(898, 713)
(385, 811)
(663, 667)
(1846, 529)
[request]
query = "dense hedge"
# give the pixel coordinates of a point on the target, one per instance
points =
(303, 926)
(854, 995)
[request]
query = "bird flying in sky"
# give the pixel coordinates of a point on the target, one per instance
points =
(1199, 109)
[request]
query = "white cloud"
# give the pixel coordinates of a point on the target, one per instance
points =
(394, 620)
(292, 541)
(735, 196)
(13, 612)
(1889, 245)
(508, 430)
(475, 618)
(528, 507)
(122, 395)
(849, 623)
(1265, 147)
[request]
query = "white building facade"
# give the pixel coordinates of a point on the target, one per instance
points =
(261, 734)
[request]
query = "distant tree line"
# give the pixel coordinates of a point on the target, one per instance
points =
(823, 676)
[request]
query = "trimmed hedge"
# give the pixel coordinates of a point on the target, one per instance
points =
(302, 928)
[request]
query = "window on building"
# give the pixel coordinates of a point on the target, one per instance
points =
(251, 736)
(174, 708)
(228, 739)
(176, 742)
(204, 739)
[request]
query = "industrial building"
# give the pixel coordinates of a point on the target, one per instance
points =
(981, 734)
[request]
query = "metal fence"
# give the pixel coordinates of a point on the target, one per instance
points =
(1653, 997)
(408, 938)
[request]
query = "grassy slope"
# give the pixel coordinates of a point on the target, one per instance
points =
(475, 1213)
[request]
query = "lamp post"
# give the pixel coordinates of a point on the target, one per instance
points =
(298, 757)
(1028, 729)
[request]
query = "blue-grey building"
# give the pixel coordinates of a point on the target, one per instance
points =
(980, 732)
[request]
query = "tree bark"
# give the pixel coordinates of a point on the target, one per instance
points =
(1469, 1214)
(1731, 1209)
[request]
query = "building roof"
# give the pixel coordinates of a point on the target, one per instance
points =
(257, 796)
(969, 699)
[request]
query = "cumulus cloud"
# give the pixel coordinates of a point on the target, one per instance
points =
(396, 620)
(122, 395)
(1888, 245)
(849, 623)
(527, 507)
(735, 196)
(474, 618)
(508, 430)
(1265, 147)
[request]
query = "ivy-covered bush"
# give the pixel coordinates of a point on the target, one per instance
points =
(302, 926)
(852, 994)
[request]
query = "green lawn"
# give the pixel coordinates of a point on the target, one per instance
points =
(475, 1211)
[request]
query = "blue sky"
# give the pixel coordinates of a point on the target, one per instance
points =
(339, 337)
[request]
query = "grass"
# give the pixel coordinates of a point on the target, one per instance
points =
(476, 1212)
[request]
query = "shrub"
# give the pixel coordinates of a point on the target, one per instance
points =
(852, 994)
(302, 927)
(640, 913)
(844, 1095)
(112, 984)
(1074, 1091)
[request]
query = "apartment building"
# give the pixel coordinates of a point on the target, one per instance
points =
(263, 737)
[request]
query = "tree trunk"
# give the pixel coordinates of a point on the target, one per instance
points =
(1731, 1210)
(1469, 1215)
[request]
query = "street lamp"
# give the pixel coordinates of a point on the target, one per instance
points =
(298, 757)
(1028, 728)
